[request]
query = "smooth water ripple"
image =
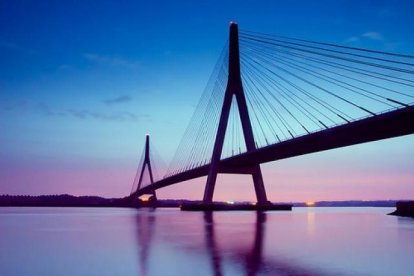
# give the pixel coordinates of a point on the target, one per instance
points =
(121, 241)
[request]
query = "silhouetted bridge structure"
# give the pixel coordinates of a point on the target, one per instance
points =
(273, 97)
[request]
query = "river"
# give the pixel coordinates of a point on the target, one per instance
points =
(122, 241)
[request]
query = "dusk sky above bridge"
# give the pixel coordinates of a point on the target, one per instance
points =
(82, 82)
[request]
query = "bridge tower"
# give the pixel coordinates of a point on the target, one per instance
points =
(146, 164)
(234, 88)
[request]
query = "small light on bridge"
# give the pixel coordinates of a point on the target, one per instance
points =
(310, 203)
(145, 199)
(253, 203)
(230, 202)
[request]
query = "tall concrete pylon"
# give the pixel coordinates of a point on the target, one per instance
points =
(234, 88)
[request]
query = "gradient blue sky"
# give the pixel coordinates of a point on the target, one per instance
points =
(82, 82)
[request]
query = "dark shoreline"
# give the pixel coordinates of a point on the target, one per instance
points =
(95, 201)
(404, 209)
(61, 201)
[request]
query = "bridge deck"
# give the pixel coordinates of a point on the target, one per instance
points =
(387, 125)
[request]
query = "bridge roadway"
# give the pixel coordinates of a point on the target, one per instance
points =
(386, 125)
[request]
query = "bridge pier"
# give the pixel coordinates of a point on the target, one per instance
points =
(234, 89)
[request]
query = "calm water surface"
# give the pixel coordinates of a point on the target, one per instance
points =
(306, 241)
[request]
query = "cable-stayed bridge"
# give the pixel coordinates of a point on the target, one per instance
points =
(272, 97)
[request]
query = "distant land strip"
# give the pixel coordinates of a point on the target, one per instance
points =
(66, 200)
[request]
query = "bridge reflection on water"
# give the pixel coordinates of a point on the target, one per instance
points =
(237, 243)
(124, 241)
(243, 251)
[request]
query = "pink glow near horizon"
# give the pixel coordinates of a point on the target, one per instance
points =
(105, 182)
(380, 170)
(299, 188)
(302, 187)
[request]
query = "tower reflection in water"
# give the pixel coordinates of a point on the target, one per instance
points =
(228, 244)
(145, 231)
(252, 258)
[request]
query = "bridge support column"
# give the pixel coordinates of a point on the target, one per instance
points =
(234, 88)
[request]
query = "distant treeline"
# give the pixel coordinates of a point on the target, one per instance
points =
(62, 201)
(96, 201)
